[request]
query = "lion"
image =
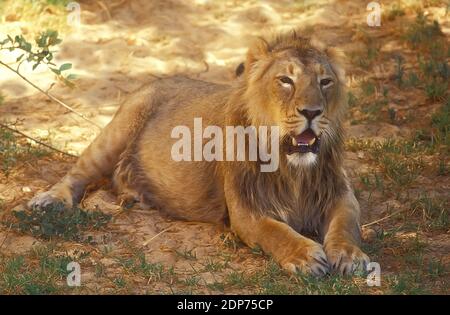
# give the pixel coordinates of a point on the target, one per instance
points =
(304, 214)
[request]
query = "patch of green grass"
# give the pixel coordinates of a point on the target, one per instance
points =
(407, 283)
(58, 221)
(436, 269)
(419, 274)
(427, 37)
(436, 90)
(422, 31)
(237, 279)
(273, 280)
(138, 265)
(433, 211)
(398, 160)
(42, 271)
(401, 172)
(372, 181)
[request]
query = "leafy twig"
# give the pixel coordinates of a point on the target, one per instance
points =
(51, 96)
(41, 55)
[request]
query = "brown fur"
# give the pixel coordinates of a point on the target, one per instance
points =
(265, 209)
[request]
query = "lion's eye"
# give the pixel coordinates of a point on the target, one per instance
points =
(326, 82)
(286, 80)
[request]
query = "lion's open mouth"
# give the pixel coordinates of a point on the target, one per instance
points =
(305, 142)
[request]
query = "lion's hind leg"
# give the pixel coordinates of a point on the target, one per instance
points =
(97, 161)
(101, 156)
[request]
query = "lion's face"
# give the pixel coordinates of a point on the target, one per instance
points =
(299, 88)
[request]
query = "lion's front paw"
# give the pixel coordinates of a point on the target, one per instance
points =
(345, 258)
(306, 257)
(53, 196)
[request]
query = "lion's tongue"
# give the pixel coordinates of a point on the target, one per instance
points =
(307, 137)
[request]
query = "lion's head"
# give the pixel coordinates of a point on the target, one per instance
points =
(297, 84)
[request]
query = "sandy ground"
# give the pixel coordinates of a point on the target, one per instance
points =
(121, 45)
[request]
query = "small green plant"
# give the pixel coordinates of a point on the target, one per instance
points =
(436, 90)
(352, 100)
(214, 266)
(437, 269)
(120, 282)
(188, 254)
(440, 122)
(56, 220)
(191, 281)
(41, 53)
(368, 88)
(399, 70)
(422, 31)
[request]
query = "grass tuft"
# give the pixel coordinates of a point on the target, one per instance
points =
(58, 221)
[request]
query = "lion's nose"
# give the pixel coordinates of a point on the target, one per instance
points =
(310, 114)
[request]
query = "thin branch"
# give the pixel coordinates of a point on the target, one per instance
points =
(155, 236)
(51, 96)
(383, 218)
(37, 141)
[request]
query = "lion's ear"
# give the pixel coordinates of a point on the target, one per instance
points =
(258, 50)
(338, 61)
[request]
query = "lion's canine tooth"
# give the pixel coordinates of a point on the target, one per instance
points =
(312, 141)
(294, 141)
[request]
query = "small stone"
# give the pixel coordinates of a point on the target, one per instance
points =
(369, 235)
(26, 189)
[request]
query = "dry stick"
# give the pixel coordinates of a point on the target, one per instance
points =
(383, 218)
(155, 236)
(37, 141)
(51, 96)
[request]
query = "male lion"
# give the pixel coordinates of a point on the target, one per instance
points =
(290, 82)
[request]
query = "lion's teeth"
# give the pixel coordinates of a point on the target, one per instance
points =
(294, 141)
(312, 141)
